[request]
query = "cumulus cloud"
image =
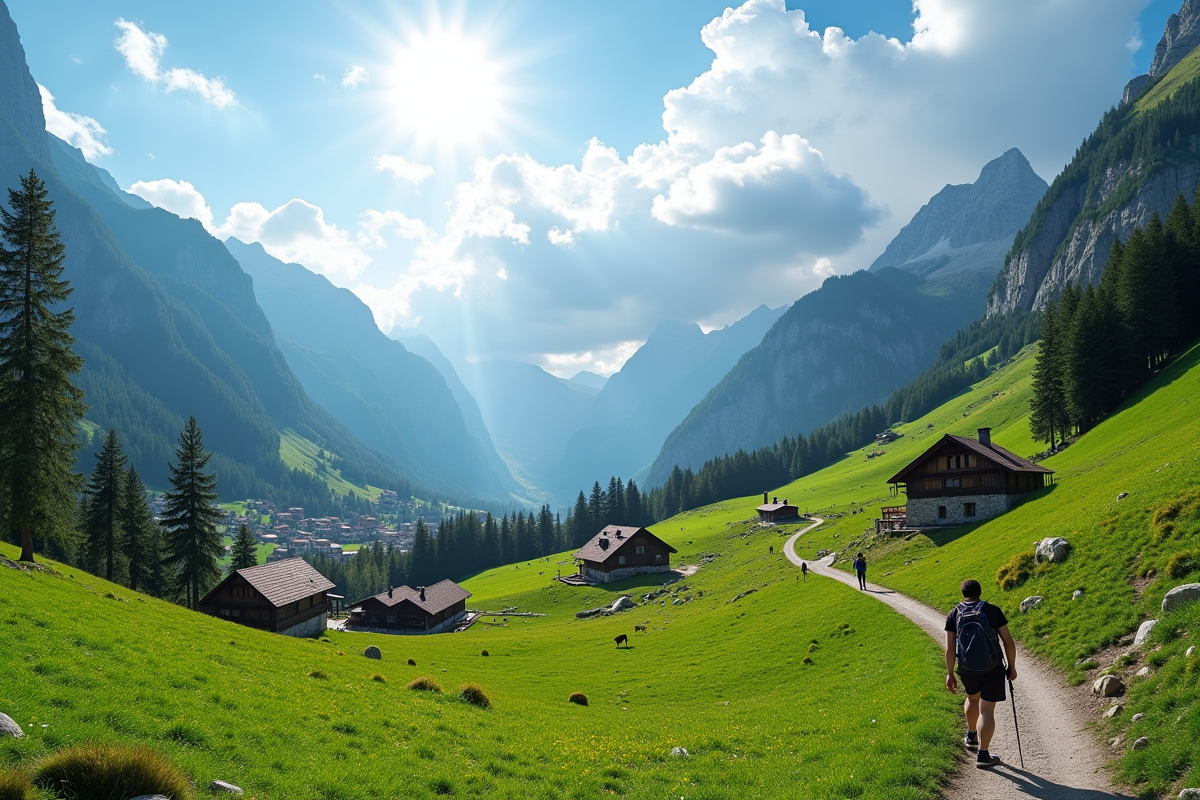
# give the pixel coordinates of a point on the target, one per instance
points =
(143, 51)
(179, 197)
(401, 169)
(76, 129)
(602, 362)
(355, 75)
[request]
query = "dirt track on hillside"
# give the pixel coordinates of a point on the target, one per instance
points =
(1063, 760)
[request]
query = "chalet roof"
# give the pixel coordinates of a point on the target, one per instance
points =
(616, 536)
(285, 581)
(775, 507)
(1004, 459)
(438, 597)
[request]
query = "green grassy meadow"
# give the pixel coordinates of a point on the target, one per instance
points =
(300, 453)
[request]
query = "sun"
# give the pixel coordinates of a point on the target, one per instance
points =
(445, 90)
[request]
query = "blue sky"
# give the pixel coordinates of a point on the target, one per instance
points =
(473, 170)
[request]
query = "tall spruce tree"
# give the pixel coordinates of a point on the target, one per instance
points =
(40, 407)
(1049, 419)
(193, 543)
(245, 550)
(140, 529)
(103, 533)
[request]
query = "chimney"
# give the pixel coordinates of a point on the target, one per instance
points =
(603, 543)
(389, 591)
(785, 501)
(422, 590)
(775, 500)
(764, 498)
(985, 437)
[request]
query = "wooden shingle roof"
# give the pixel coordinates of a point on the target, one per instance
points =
(1004, 459)
(604, 544)
(285, 581)
(438, 597)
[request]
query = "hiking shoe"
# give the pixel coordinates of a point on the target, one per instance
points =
(985, 760)
(971, 740)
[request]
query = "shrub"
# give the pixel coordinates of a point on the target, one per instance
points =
(185, 734)
(425, 684)
(14, 785)
(412, 662)
(1182, 564)
(807, 660)
(474, 694)
(485, 654)
(578, 698)
(110, 772)
(1178, 516)
(319, 675)
(1015, 571)
(378, 678)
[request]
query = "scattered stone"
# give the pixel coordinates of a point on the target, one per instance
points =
(151, 797)
(1141, 743)
(1180, 595)
(740, 596)
(1190, 651)
(373, 652)
(1122, 495)
(1053, 549)
(1143, 632)
(1108, 686)
(1114, 710)
(679, 751)
(1077, 594)
(1189, 794)
(622, 603)
(1138, 717)
(1031, 602)
(588, 612)
(1117, 743)
(222, 786)
(1144, 672)
(8, 727)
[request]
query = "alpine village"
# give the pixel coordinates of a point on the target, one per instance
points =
(789, 400)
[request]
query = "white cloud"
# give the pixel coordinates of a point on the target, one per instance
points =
(402, 169)
(143, 52)
(179, 197)
(602, 362)
(297, 231)
(76, 129)
(355, 75)
(318, 77)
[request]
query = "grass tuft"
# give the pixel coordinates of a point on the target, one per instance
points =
(110, 772)
(425, 684)
(473, 693)
(378, 678)
(15, 785)
(485, 654)
(578, 698)
(1015, 571)
(319, 675)
(412, 662)
(1182, 564)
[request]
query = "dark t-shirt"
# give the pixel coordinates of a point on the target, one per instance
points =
(860, 564)
(995, 618)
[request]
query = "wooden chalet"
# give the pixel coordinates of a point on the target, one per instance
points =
(619, 552)
(775, 512)
(960, 480)
(288, 597)
(425, 609)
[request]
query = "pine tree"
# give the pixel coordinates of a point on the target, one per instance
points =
(581, 523)
(422, 564)
(193, 543)
(40, 407)
(139, 527)
(245, 550)
(1048, 417)
(103, 532)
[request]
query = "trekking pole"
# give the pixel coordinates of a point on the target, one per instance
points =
(1015, 725)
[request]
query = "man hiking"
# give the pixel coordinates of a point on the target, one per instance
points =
(975, 631)
(804, 570)
(860, 569)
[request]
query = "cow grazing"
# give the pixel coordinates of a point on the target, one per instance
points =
(622, 639)
(637, 628)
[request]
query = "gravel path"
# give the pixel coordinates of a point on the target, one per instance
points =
(1062, 758)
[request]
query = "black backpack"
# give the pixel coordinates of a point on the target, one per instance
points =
(977, 644)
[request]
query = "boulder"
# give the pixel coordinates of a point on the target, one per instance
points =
(1190, 650)
(1143, 632)
(1114, 710)
(1138, 717)
(589, 612)
(1144, 672)
(1031, 602)
(1141, 743)
(1077, 594)
(1189, 794)
(151, 797)
(622, 603)
(1108, 686)
(1052, 549)
(1122, 495)
(373, 652)
(679, 751)
(223, 786)
(8, 727)
(1180, 595)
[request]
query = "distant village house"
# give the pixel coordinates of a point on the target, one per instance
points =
(619, 552)
(426, 609)
(774, 512)
(286, 596)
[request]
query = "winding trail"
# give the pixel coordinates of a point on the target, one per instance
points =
(1062, 758)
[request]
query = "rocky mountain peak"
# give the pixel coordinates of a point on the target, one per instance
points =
(1181, 36)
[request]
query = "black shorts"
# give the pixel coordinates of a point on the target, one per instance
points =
(988, 685)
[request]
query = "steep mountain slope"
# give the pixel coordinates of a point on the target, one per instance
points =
(654, 390)
(384, 394)
(1139, 159)
(958, 239)
(837, 349)
(165, 319)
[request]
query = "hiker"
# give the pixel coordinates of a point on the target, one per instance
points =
(772, 549)
(974, 632)
(804, 570)
(860, 569)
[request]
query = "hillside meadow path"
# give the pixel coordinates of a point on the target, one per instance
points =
(1063, 760)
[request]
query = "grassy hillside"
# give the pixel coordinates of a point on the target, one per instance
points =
(725, 678)
(1181, 74)
(304, 454)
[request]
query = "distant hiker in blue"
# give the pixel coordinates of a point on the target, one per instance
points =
(974, 633)
(860, 569)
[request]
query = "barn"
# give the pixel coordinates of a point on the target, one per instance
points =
(961, 480)
(619, 552)
(425, 609)
(774, 512)
(288, 597)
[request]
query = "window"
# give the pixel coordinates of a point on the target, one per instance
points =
(391, 617)
(968, 509)
(620, 559)
(639, 549)
(658, 558)
(941, 512)
(230, 612)
(953, 483)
